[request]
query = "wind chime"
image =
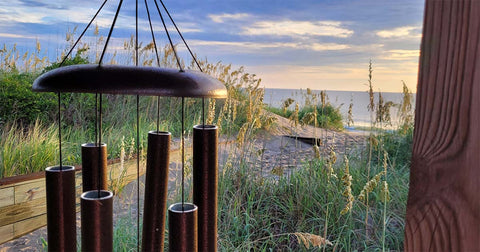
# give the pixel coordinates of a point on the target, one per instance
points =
(192, 226)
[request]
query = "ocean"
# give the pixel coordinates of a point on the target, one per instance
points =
(341, 99)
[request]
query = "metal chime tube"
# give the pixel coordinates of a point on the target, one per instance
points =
(156, 188)
(94, 164)
(61, 214)
(182, 227)
(205, 181)
(97, 220)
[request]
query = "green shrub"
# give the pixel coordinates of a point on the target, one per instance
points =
(19, 103)
(280, 112)
(328, 116)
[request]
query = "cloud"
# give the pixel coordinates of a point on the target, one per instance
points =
(9, 35)
(402, 54)
(220, 18)
(404, 31)
(37, 4)
(255, 46)
(328, 47)
(295, 28)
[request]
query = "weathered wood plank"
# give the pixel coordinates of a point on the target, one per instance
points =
(23, 201)
(7, 196)
(26, 226)
(443, 208)
(35, 189)
(17, 212)
(6, 233)
(18, 180)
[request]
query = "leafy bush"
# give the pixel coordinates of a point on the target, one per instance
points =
(398, 145)
(19, 103)
(328, 116)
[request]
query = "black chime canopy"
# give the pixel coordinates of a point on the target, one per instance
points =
(121, 79)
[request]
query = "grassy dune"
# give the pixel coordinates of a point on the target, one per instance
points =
(334, 203)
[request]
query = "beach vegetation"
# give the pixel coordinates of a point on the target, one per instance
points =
(336, 200)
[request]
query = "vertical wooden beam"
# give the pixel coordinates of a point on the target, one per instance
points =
(443, 208)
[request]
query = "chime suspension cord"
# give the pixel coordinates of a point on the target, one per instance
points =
(100, 158)
(203, 112)
(138, 131)
(81, 35)
(96, 118)
(60, 130)
(158, 114)
(157, 57)
(110, 32)
(181, 36)
(183, 152)
(169, 38)
(138, 173)
(188, 48)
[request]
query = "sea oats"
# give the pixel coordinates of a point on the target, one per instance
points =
(347, 192)
(308, 239)
(369, 186)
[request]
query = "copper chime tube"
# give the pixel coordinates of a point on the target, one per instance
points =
(182, 227)
(205, 180)
(61, 222)
(97, 220)
(94, 164)
(156, 188)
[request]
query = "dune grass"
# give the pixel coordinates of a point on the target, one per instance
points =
(326, 205)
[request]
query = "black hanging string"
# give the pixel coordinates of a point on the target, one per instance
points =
(96, 118)
(152, 33)
(100, 158)
(203, 112)
(138, 173)
(183, 152)
(110, 32)
(158, 60)
(186, 45)
(168, 35)
(60, 130)
(158, 114)
(138, 131)
(81, 35)
(179, 33)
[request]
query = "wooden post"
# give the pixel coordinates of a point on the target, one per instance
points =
(443, 208)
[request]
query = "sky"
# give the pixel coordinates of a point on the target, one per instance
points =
(317, 44)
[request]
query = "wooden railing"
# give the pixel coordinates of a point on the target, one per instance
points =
(23, 200)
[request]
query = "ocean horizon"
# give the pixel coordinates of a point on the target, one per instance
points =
(275, 97)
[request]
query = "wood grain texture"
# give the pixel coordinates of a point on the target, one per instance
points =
(30, 191)
(7, 196)
(443, 208)
(6, 233)
(23, 199)
(23, 227)
(25, 210)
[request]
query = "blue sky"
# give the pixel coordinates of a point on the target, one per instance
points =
(318, 44)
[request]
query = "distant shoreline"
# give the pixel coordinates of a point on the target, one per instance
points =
(274, 97)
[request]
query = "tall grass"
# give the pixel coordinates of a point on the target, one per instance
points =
(259, 213)
(244, 102)
(328, 204)
(25, 149)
